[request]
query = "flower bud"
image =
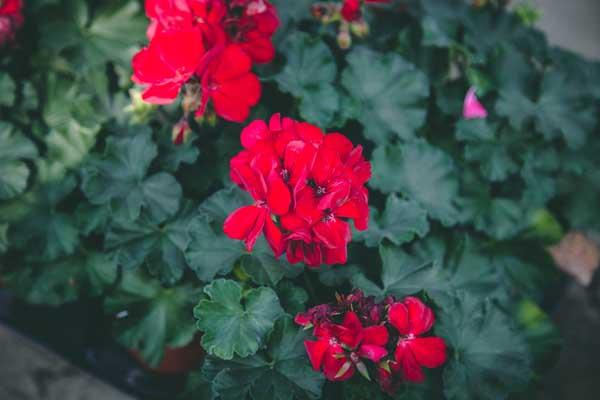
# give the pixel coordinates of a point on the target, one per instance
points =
(360, 28)
(344, 39)
(181, 132)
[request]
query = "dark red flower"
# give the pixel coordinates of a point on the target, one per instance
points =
(231, 86)
(254, 29)
(167, 63)
(340, 349)
(11, 19)
(413, 319)
(351, 10)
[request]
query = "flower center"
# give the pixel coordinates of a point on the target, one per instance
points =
(285, 174)
(333, 342)
(354, 357)
(328, 218)
(320, 190)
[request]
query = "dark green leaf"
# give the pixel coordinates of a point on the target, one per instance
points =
(7, 90)
(490, 358)
(119, 179)
(400, 222)
(308, 75)
(234, 322)
(423, 173)
(281, 372)
(293, 298)
(392, 93)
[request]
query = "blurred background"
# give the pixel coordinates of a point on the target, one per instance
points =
(28, 371)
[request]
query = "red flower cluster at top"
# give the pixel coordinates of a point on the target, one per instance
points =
(390, 334)
(211, 44)
(305, 184)
(11, 19)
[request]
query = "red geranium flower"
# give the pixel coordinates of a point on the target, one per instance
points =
(11, 19)
(167, 63)
(230, 84)
(324, 176)
(412, 319)
(351, 9)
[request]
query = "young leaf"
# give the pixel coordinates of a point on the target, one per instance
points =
(490, 357)
(423, 173)
(280, 372)
(392, 93)
(234, 322)
(14, 147)
(399, 223)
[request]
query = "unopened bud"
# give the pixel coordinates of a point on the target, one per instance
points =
(181, 132)
(344, 39)
(360, 28)
(192, 97)
(140, 110)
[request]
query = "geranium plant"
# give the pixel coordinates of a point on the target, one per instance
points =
(334, 199)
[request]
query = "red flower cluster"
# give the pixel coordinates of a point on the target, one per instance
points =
(11, 19)
(305, 184)
(210, 44)
(389, 334)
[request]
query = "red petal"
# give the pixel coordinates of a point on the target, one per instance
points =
(316, 350)
(278, 194)
(182, 51)
(274, 237)
(255, 132)
(232, 100)
(332, 232)
(161, 94)
(429, 352)
(372, 352)
(245, 223)
(339, 143)
(377, 335)
(335, 256)
(309, 133)
(232, 64)
(420, 316)
(327, 162)
(398, 318)
(411, 370)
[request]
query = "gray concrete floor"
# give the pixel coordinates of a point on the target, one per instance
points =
(574, 24)
(28, 372)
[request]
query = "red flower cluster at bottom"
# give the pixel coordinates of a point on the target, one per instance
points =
(389, 334)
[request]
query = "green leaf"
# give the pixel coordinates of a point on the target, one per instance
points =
(112, 34)
(265, 269)
(487, 147)
(149, 318)
(281, 372)
(337, 275)
(171, 156)
(210, 254)
(404, 274)
(234, 322)
(3, 238)
(119, 179)
(72, 113)
(501, 218)
(399, 223)
(65, 280)
(308, 75)
(197, 387)
(14, 147)
(7, 90)
(392, 93)
(423, 173)
(159, 245)
(490, 358)
(293, 298)
(556, 113)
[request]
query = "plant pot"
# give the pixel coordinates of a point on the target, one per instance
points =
(175, 360)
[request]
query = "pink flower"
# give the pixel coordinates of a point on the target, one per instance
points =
(472, 108)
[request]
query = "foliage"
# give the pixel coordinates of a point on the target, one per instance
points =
(96, 202)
